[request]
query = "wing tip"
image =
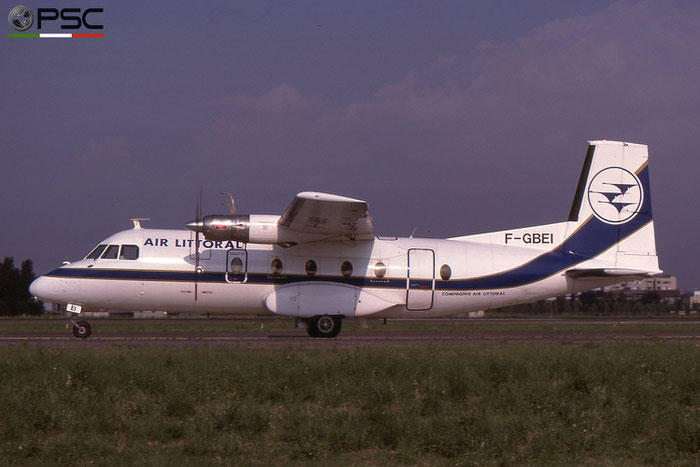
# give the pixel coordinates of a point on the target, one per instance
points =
(320, 196)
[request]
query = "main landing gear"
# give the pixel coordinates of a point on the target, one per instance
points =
(324, 326)
(81, 329)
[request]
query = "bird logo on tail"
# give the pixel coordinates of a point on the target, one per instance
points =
(615, 195)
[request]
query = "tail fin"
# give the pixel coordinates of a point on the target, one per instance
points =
(611, 218)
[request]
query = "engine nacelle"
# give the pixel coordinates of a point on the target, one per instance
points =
(246, 229)
(254, 228)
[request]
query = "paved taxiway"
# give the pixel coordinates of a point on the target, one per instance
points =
(377, 335)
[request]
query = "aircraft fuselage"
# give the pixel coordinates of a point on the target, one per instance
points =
(417, 277)
(321, 262)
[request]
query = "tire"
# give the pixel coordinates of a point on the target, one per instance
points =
(324, 326)
(83, 330)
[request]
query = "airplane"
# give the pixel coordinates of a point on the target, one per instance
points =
(320, 262)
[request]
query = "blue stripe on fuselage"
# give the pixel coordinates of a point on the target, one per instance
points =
(590, 240)
(218, 277)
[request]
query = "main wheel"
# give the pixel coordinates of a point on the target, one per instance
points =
(324, 326)
(82, 330)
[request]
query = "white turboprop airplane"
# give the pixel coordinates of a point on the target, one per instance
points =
(320, 262)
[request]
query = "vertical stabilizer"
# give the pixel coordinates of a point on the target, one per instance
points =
(611, 217)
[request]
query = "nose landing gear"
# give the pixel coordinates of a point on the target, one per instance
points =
(81, 329)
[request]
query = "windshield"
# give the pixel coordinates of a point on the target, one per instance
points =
(111, 252)
(129, 252)
(94, 254)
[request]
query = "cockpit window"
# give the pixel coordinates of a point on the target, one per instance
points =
(94, 254)
(129, 252)
(111, 252)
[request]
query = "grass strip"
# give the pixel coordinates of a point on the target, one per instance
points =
(267, 324)
(616, 404)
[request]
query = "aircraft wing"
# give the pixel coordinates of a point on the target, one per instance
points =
(328, 215)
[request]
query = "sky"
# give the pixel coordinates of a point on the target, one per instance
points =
(449, 118)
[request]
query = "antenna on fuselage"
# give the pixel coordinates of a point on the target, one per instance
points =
(413, 233)
(137, 221)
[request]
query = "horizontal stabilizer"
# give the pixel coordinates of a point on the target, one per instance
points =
(607, 272)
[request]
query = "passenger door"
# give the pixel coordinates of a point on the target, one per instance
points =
(420, 285)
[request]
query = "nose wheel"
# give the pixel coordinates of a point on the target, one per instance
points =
(81, 329)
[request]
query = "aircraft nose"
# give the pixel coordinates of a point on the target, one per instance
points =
(38, 287)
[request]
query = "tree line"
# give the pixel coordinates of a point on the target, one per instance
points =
(600, 303)
(15, 299)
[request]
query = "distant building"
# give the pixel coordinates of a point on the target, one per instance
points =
(666, 286)
(664, 282)
(695, 300)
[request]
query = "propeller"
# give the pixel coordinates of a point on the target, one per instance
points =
(197, 226)
(198, 223)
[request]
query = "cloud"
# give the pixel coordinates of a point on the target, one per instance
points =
(282, 101)
(637, 54)
(605, 75)
(610, 71)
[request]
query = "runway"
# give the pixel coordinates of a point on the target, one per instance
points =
(377, 336)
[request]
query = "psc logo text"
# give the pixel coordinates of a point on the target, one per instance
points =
(21, 18)
(72, 16)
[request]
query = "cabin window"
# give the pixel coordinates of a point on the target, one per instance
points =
(276, 266)
(111, 252)
(94, 254)
(311, 267)
(129, 252)
(236, 265)
(380, 269)
(445, 272)
(346, 269)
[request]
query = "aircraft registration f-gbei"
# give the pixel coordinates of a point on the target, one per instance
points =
(320, 261)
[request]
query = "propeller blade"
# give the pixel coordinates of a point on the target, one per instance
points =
(198, 228)
(198, 215)
(196, 264)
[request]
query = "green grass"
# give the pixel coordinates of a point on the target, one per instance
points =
(613, 404)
